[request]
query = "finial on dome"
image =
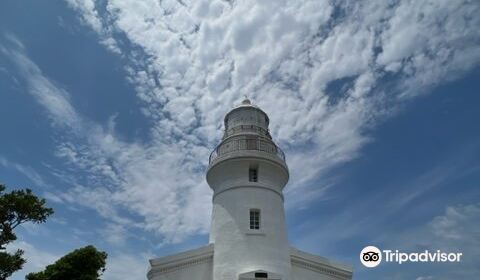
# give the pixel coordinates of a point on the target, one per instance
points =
(246, 101)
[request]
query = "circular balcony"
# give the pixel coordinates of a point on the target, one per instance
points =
(247, 147)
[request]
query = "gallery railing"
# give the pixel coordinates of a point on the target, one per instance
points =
(257, 144)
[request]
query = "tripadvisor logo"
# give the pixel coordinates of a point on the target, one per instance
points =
(371, 256)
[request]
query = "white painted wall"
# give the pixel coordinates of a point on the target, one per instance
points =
(237, 248)
(300, 273)
(202, 271)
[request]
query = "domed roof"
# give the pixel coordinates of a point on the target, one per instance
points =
(246, 104)
(246, 101)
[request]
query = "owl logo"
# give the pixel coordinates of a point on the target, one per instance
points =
(371, 256)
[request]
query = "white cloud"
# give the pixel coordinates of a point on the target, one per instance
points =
(115, 234)
(285, 54)
(46, 92)
(90, 17)
(424, 278)
(89, 13)
(27, 171)
(192, 61)
(457, 230)
(37, 259)
(458, 225)
(399, 198)
(148, 180)
(123, 266)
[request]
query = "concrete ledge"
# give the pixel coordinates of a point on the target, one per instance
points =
(182, 260)
(320, 264)
(249, 154)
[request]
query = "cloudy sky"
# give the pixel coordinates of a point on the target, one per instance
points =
(109, 110)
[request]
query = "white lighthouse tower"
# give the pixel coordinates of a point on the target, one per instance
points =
(247, 173)
(248, 240)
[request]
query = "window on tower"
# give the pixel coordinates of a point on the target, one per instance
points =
(254, 219)
(253, 175)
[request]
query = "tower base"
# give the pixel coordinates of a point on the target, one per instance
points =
(198, 264)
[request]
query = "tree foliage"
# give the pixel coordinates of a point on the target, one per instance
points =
(82, 264)
(9, 263)
(16, 208)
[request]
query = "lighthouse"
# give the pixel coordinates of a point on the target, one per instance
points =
(248, 240)
(247, 173)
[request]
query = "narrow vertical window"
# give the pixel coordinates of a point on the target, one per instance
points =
(254, 219)
(253, 175)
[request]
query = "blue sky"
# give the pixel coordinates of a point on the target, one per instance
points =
(110, 109)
